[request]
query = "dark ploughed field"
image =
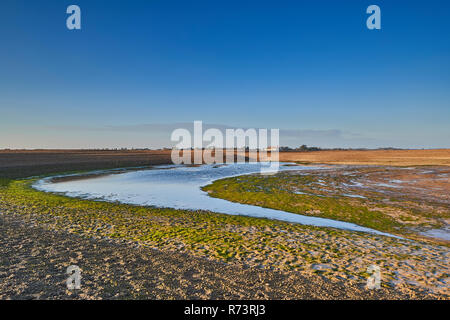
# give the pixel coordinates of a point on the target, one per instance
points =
(20, 164)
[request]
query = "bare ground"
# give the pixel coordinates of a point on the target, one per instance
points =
(34, 261)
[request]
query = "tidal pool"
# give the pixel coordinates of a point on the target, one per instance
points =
(443, 233)
(179, 187)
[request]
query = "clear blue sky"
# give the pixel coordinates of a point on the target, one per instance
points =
(311, 68)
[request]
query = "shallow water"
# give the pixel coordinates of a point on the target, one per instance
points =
(443, 234)
(179, 187)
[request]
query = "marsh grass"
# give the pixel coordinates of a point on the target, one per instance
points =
(244, 240)
(216, 234)
(300, 194)
(4, 182)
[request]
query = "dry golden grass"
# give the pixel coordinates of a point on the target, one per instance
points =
(373, 157)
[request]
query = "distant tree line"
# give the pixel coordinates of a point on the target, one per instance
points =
(302, 148)
(305, 148)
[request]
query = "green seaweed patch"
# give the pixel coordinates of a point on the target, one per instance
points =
(299, 193)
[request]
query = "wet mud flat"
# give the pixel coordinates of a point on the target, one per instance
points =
(338, 256)
(179, 187)
(416, 197)
(413, 202)
(34, 261)
(41, 232)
